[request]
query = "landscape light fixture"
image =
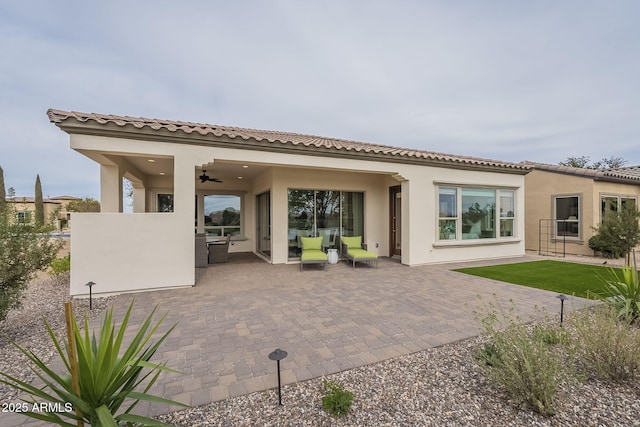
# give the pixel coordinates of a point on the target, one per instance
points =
(278, 355)
(90, 285)
(562, 299)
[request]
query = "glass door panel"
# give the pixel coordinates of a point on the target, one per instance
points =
(352, 214)
(301, 219)
(328, 217)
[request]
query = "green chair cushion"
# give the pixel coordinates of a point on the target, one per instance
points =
(352, 242)
(361, 254)
(313, 255)
(313, 243)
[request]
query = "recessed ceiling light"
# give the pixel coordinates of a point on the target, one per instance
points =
(162, 173)
(151, 161)
(245, 166)
(240, 177)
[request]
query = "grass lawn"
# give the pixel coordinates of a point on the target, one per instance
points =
(566, 278)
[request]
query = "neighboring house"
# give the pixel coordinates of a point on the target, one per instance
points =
(564, 204)
(272, 188)
(55, 210)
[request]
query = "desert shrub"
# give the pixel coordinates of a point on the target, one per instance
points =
(60, 265)
(524, 360)
(24, 250)
(605, 345)
(337, 401)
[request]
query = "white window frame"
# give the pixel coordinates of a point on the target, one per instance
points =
(458, 238)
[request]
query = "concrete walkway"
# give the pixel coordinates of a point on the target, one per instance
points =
(329, 321)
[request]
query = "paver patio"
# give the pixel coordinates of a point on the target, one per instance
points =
(329, 321)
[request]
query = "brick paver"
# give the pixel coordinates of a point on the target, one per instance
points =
(329, 321)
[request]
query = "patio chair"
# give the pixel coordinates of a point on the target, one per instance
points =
(353, 249)
(312, 252)
(219, 251)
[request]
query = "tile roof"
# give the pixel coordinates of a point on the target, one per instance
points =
(73, 122)
(629, 174)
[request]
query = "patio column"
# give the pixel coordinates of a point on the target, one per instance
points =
(139, 199)
(200, 212)
(110, 189)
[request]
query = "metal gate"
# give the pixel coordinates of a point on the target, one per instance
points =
(549, 242)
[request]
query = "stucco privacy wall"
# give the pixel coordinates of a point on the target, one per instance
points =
(123, 253)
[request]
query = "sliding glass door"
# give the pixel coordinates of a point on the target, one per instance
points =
(324, 213)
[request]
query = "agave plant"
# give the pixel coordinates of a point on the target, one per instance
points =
(107, 377)
(623, 292)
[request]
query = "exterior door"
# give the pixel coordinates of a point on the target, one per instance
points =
(395, 218)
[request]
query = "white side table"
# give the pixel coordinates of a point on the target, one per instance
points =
(332, 256)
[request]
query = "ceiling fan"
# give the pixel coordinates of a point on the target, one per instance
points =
(205, 178)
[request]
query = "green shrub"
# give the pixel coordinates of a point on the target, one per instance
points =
(337, 401)
(108, 375)
(524, 360)
(24, 250)
(606, 346)
(60, 265)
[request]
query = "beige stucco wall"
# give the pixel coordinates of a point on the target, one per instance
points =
(122, 253)
(153, 250)
(542, 186)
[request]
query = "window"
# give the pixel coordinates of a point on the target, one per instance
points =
(165, 203)
(23, 217)
(610, 203)
(222, 215)
(469, 213)
(447, 222)
(567, 216)
(324, 213)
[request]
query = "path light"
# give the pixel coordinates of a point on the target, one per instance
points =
(278, 355)
(562, 299)
(90, 285)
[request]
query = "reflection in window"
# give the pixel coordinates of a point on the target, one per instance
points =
(324, 213)
(478, 213)
(165, 203)
(448, 212)
(222, 215)
(468, 213)
(614, 204)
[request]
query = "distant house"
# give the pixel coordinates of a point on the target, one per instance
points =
(564, 204)
(266, 189)
(55, 210)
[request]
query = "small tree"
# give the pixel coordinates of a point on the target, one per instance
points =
(619, 232)
(3, 194)
(39, 203)
(585, 162)
(84, 205)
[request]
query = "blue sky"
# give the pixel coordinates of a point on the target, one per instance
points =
(508, 80)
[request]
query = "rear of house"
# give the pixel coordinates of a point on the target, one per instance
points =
(267, 189)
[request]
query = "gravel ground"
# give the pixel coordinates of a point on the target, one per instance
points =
(442, 386)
